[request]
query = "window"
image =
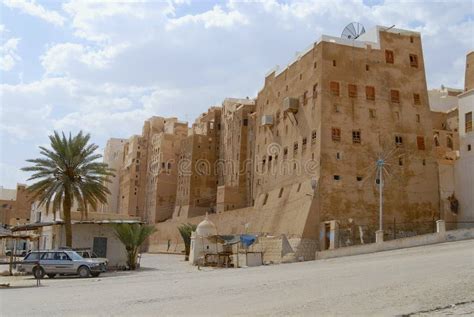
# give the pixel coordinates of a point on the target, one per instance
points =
(315, 91)
(246, 122)
(411, 39)
(285, 152)
(334, 88)
(389, 56)
(334, 62)
(303, 145)
(468, 147)
(359, 178)
(398, 140)
(449, 142)
(265, 199)
(301, 76)
(356, 137)
(418, 118)
(336, 108)
(400, 161)
(295, 148)
(352, 90)
(413, 60)
(369, 93)
(367, 67)
(397, 115)
(416, 99)
(337, 177)
(338, 155)
(315, 65)
(468, 123)
(305, 97)
(394, 96)
(424, 162)
(336, 134)
(313, 137)
(420, 141)
(372, 113)
(281, 193)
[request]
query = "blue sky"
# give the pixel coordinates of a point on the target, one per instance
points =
(104, 67)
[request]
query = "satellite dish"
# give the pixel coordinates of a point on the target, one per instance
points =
(352, 31)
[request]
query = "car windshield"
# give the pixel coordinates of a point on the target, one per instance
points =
(33, 256)
(74, 255)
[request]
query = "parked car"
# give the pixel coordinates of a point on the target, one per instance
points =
(16, 253)
(88, 254)
(62, 262)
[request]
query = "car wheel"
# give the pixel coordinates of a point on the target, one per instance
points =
(38, 272)
(95, 274)
(84, 271)
(51, 275)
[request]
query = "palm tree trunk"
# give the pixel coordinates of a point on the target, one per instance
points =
(67, 218)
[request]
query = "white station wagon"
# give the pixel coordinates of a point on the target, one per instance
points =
(62, 262)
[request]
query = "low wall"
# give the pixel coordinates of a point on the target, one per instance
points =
(426, 239)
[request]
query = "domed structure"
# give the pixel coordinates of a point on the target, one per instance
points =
(206, 228)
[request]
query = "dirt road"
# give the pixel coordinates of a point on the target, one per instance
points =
(420, 280)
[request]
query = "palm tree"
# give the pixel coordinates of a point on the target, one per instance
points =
(69, 172)
(132, 236)
(185, 230)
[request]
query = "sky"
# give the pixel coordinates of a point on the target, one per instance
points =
(104, 67)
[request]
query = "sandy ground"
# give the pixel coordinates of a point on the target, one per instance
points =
(430, 280)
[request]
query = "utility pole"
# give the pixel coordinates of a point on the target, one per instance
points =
(380, 163)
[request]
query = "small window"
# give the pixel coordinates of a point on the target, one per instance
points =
(411, 39)
(338, 156)
(315, 65)
(418, 118)
(370, 92)
(265, 199)
(372, 113)
(424, 162)
(334, 88)
(389, 56)
(337, 177)
(352, 90)
(449, 142)
(301, 76)
(356, 137)
(334, 62)
(397, 115)
(400, 161)
(468, 147)
(281, 193)
(285, 152)
(420, 141)
(315, 91)
(304, 142)
(367, 67)
(336, 108)
(295, 148)
(299, 187)
(413, 60)
(398, 140)
(359, 178)
(336, 134)
(313, 137)
(468, 121)
(394, 96)
(305, 97)
(416, 99)
(246, 122)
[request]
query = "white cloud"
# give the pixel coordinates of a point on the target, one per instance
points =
(215, 18)
(8, 54)
(34, 9)
(61, 58)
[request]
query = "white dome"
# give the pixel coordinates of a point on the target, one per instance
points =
(206, 228)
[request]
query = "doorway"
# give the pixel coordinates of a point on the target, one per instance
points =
(100, 247)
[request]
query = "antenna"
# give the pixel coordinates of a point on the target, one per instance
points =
(352, 31)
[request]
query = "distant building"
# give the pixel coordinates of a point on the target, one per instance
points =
(197, 175)
(15, 205)
(113, 156)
